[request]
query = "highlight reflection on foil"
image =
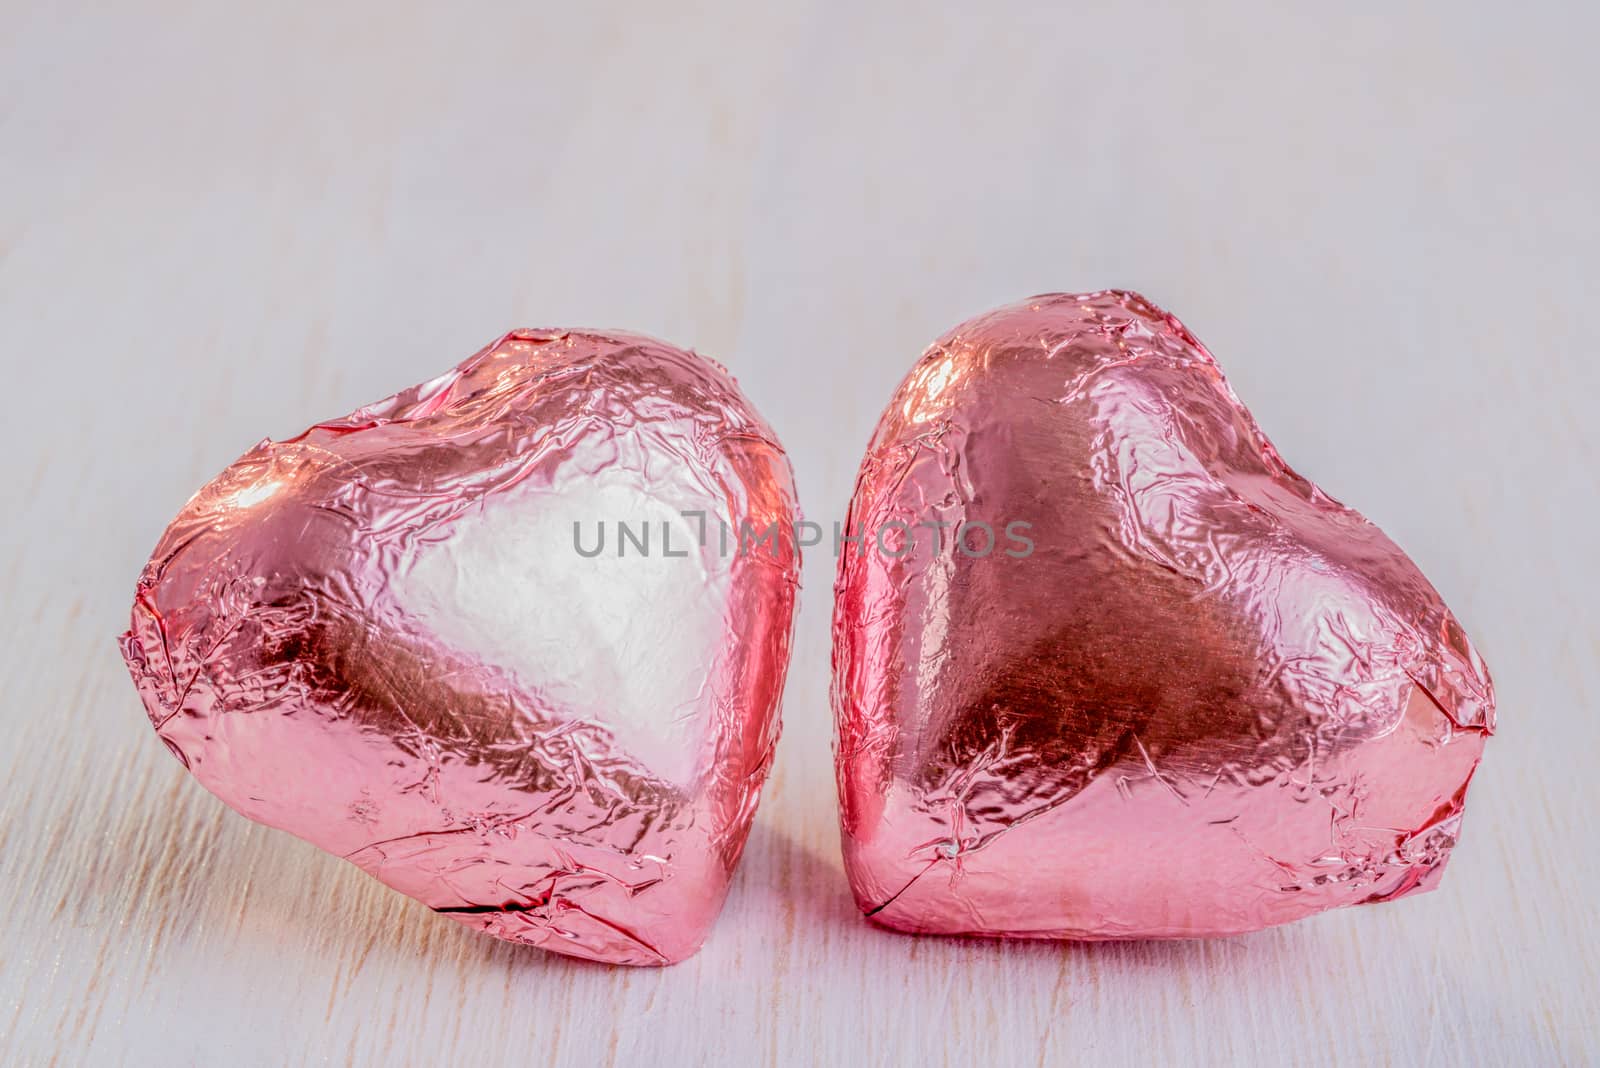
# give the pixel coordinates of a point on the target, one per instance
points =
(378, 636)
(1211, 699)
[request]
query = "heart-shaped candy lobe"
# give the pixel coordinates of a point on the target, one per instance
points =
(393, 637)
(1150, 682)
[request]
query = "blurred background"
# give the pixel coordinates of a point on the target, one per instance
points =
(222, 223)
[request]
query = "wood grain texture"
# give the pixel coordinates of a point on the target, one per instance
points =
(219, 224)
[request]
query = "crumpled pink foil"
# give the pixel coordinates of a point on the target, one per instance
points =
(1189, 695)
(382, 636)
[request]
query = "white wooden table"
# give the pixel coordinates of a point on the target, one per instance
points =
(219, 223)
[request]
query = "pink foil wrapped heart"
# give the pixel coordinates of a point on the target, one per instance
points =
(394, 637)
(1105, 667)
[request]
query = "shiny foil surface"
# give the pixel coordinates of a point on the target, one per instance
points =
(382, 636)
(1189, 695)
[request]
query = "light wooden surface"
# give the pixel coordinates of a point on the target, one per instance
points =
(223, 222)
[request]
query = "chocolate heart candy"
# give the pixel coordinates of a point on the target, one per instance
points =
(1105, 667)
(489, 640)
